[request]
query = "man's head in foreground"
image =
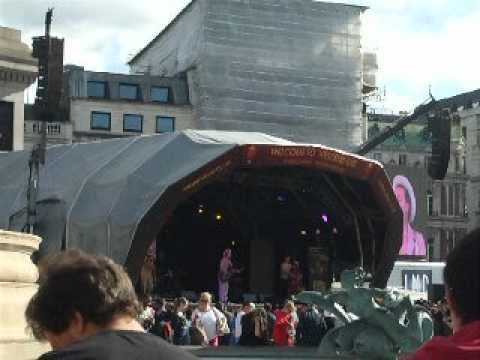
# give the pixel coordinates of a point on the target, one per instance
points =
(462, 281)
(80, 295)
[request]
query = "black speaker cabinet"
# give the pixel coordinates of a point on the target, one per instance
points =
(6, 126)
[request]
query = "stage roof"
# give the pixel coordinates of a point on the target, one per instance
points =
(107, 197)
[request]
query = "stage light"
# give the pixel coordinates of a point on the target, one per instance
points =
(218, 217)
(303, 232)
(325, 218)
(335, 231)
(233, 243)
(317, 232)
(200, 210)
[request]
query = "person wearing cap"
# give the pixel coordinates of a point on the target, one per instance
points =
(413, 243)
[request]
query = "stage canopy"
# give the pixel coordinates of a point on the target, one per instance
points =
(111, 197)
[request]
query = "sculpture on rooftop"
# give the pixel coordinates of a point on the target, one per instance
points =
(379, 324)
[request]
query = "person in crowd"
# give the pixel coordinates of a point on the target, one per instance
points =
(147, 317)
(311, 326)
(270, 321)
(180, 324)
(285, 268)
(413, 242)
(163, 321)
(462, 287)
(254, 328)
(207, 317)
(86, 308)
(226, 338)
(285, 324)
(246, 308)
(295, 280)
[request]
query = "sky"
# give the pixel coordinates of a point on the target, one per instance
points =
(420, 44)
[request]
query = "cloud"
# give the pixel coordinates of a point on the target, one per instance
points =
(99, 35)
(422, 45)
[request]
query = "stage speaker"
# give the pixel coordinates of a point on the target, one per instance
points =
(6, 126)
(440, 126)
(50, 76)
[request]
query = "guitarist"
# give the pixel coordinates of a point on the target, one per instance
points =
(225, 272)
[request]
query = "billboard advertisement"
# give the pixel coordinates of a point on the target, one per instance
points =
(410, 186)
(417, 280)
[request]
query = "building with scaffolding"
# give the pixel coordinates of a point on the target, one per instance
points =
(290, 69)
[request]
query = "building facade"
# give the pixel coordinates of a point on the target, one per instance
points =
(98, 105)
(470, 130)
(18, 70)
(292, 69)
(452, 204)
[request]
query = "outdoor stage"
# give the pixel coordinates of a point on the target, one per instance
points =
(268, 197)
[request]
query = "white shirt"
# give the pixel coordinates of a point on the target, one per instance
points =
(238, 324)
(209, 322)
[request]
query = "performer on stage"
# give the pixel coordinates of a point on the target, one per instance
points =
(225, 272)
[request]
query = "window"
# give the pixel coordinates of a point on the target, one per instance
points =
(478, 129)
(430, 203)
(160, 94)
(427, 161)
(53, 129)
(129, 92)
(402, 159)
(457, 196)
(457, 163)
(450, 200)
(377, 156)
(165, 124)
(133, 123)
(97, 89)
(478, 200)
(443, 200)
(100, 120)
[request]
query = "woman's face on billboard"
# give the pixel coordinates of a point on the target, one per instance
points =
(403, 200)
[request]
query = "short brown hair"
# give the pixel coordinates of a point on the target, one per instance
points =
(461, 275)
(73, 281)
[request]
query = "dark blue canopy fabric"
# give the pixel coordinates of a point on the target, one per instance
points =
(111, 197)
(93, 195)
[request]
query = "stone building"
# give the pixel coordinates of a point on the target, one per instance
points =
(453, 204)
(100, 105)
(292, 69)
(470, 120)
(18, 70)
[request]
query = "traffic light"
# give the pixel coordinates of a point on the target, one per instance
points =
(440, 126)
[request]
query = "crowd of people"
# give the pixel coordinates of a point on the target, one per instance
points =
(440, 314)
(86, 308)
(182, 323)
